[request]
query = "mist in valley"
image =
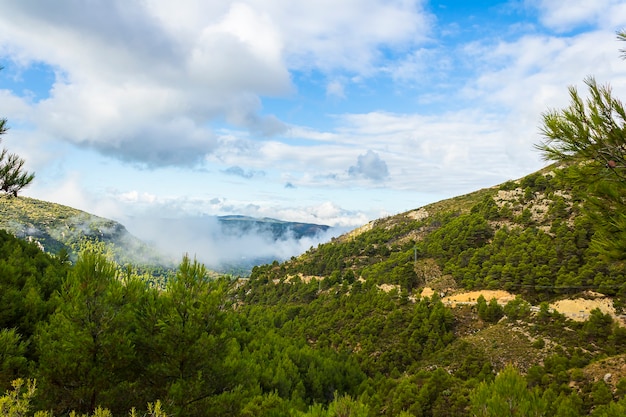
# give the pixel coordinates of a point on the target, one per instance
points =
(224, 246)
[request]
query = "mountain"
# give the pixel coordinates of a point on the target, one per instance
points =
(229, 244)
(527, 236)
(513, 265)
(279, 229)
(276, 233)
(55, 227)
(491, 303)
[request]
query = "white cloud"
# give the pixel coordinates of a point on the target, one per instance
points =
(347, 35)
(370, 166)
(135, 196)
(185, 84)
(70, 191)
(240, 172)
(132, 76)
(205, 238)
(327, 213)
(564, 16)
(531, 75)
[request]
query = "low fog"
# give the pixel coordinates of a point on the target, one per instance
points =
(220, 247)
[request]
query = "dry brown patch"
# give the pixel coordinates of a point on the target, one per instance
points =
(579, 309)
(365, 228)
(388, 287)
(308, 278)
(501, 296)
(427, 292)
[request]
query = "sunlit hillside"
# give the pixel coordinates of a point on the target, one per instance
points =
(495, 297)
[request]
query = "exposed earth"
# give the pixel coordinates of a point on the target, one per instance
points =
(576, 309)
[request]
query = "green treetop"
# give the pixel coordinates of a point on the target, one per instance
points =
(590, 137)
(12, 175)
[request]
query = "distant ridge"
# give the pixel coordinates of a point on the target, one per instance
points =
(279, 228)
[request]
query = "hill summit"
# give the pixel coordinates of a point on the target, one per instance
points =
(55, 228)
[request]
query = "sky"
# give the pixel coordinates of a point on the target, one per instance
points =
(334, 112)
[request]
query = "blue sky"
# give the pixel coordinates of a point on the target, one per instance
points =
(333, 112)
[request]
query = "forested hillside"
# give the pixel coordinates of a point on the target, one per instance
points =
(61, 229)
(341, 330)
(527, 236)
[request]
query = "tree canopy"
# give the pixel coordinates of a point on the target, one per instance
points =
(590, 136)
(13, 177)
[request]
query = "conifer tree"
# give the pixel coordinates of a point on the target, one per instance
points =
(86, 349)
(185, 340)
(590, 137)
(12, 175)
(507, 395)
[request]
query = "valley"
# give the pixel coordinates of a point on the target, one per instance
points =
(312, 209)
(417, 314)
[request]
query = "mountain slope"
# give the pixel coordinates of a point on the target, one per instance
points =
(370, 293)
(527, 235)
(56, 227)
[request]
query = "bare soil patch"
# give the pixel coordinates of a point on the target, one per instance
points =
(501, 296)
(388, 287)
(427, 292)
(579, 309)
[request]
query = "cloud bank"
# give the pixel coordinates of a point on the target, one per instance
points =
(219, 247)
(369, 166)
(143, 81)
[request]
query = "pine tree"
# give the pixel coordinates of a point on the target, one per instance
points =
(86, 349)
(507, 395)
(185, 340)
(589, 136)
(12, 175)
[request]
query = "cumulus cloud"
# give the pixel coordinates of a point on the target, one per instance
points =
(143, 81)
(159, 83)
(370, 166)
(335, 89)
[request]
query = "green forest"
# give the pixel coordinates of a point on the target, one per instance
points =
(316, 335)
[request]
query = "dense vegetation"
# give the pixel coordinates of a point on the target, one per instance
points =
(528, 238)
(58, 228)
(317, 335)
(344, 329)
